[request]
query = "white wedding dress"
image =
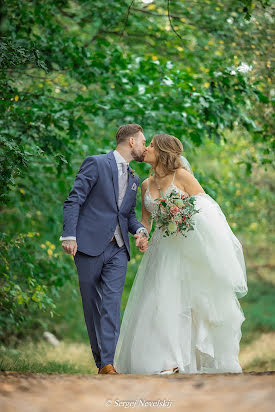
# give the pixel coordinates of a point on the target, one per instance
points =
(183, 309)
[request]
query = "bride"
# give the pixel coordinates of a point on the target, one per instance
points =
(183, 313)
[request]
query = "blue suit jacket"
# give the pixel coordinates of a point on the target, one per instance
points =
(90, 212)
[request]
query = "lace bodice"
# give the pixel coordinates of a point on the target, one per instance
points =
(150, 203)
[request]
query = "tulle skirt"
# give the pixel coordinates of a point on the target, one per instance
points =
(183, 309)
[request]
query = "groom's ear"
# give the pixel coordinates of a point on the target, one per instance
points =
(131, 141)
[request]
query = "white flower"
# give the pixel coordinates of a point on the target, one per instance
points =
(167, 81)
(230, 20)
(169, 64)
(244, 68)
(172, 227)
(141, 89)
(179, 202)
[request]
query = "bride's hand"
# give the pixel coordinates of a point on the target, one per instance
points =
(69, 246)
(141, 242)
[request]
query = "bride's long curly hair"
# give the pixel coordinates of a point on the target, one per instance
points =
(168, 150)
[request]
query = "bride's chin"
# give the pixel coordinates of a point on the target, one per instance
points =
(146, 159)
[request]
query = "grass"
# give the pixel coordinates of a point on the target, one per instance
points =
(259, 303)
(72, 358)
(260, 354)
(41, 357)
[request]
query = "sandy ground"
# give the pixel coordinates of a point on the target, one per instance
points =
(249, 392)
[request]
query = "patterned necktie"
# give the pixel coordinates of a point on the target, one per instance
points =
(122, 185)
(122, 182)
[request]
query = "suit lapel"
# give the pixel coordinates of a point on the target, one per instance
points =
(113, 165)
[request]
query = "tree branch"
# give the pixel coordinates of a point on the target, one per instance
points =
(65, 13)
(46, 95)
(156, 14)
(170, 20)
(204, 28)
(127, 17)
(127, 34)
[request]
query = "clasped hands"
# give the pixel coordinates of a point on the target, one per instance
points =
(70, 246)
(141, 242)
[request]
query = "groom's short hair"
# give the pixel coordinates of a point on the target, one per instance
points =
(127, 130)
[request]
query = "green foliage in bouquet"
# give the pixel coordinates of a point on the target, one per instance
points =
(174, 212)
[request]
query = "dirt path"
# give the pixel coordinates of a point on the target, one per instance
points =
(248, 392)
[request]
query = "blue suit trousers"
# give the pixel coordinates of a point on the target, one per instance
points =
(101, 280)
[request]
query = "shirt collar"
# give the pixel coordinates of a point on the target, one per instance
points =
(119, 158)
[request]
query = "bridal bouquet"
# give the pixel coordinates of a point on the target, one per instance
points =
(173, 214)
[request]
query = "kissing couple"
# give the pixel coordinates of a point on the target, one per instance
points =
(183, 313)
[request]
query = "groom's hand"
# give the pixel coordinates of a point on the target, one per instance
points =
(141, 242)
(70, 246)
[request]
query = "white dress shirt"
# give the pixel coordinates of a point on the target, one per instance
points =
(119, 159)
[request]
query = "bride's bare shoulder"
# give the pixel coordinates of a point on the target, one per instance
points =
(191, 184)
(183, 173)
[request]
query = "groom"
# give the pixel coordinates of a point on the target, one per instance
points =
(98, 214)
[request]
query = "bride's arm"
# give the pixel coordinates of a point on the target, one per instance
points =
(145, 221)
(189, 182)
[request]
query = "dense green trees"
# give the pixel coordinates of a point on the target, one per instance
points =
(72, 71)
(69, 67)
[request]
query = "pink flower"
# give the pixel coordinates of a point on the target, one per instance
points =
(174, 210)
